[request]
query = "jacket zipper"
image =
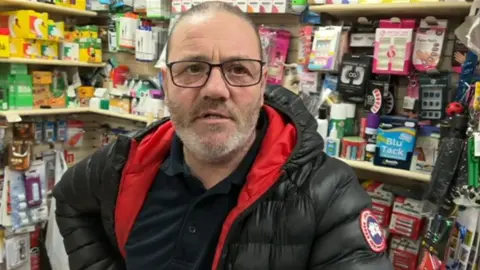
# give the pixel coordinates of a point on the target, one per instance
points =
(221, 263)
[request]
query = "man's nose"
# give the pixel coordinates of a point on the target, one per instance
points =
(216, 86)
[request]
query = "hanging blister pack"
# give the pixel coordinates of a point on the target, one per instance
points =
(433, 96)
(326, 44)
(354, 74)
(428, 46)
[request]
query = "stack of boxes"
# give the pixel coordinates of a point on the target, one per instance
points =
(20, 90)
(250, 6)
(402, 222)
(16, 90)
(31, 34)
(42, 81)
(82, 44)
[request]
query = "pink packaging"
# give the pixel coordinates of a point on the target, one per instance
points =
(393, 47)
(278, 57)
(306, 39)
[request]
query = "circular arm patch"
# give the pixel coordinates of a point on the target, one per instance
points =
(372, 231)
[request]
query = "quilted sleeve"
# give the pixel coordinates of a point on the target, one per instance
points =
(79, 218)
(347, 235)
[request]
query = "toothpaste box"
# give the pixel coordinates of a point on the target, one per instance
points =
(176, 6)
(186, 5)
(253, 6)
(266, 6)
(242, 5)
(281, 6)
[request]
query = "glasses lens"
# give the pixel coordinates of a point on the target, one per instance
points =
(242, 72)
(190, 73)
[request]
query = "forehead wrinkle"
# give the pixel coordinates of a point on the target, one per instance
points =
(188, 31)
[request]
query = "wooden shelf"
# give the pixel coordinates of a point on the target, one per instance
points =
(16, 115)
(50, 62)
(38, 6)
(127, 116)
(437, 9)
(367, 166)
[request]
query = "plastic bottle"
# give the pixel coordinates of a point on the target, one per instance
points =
(338, 115)
(350, 119)
(322, 123)
(332, 143)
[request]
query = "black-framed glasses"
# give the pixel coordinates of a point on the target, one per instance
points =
(237, 73)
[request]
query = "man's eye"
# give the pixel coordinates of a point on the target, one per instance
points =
(238, 70)
(194, 69)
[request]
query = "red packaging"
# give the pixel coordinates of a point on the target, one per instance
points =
(35, 249)
(407, 218)
(404, 253)
(382, 201)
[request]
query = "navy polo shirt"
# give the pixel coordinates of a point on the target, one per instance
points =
(180, 222)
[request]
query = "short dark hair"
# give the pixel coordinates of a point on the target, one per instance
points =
(214, 6)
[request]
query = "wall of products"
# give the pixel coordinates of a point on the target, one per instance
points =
(386, 92)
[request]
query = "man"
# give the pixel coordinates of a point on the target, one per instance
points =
(234, 180)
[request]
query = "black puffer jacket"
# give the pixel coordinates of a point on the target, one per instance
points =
(299, 209)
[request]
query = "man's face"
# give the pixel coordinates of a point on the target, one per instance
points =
(215, 119)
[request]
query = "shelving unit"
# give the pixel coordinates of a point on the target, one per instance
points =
(38, 6)
(369, 167)
(17, 114)
(439, 9)
(50, 62)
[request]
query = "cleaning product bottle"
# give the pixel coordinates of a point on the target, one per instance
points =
(332, 143)
(322, 123)
(350, 119)
(338, 115)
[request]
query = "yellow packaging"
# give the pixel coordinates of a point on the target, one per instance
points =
(25, 48)
(80, 4)
(90, 50)
(4, 46)
(120, 105)
(476, 97)
(63, 3)
(41, 95)
(59, 101)
(42, 77)
(49, 49)
(25, 24)
(85, 91)
(56, 30)
(88, 31)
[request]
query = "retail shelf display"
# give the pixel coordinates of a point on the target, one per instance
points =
(440, 9)
(45, 7)
(15, 115)
(368, 166)
(31, 61)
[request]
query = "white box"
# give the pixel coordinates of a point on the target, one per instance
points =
(253, 6)
(186, 5)
(176, 6)
(281, 6)
(266, 6)
(242, 5)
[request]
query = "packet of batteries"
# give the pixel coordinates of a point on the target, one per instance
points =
(404, 252)
(407, 217)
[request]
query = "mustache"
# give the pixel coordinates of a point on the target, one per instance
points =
(211, 104)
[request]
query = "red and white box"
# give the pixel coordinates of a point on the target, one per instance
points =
(404, 252)
(407, 217)
(382, 201)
